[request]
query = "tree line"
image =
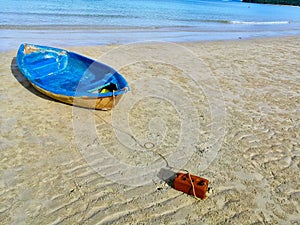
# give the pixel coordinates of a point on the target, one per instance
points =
(281, 2)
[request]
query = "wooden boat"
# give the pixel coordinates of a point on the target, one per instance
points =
(70, 77)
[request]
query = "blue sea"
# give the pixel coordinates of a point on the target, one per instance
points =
(101, 22)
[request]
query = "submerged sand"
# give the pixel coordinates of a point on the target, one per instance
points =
(227, 111)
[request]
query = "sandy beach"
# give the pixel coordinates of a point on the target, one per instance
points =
(227, 111)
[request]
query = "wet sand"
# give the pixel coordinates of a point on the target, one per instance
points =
(227, 111)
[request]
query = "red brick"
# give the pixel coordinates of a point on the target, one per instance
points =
(183, 183)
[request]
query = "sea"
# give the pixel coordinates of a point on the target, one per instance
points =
(103, 22)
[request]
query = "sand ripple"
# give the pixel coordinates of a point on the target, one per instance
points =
(255, 176)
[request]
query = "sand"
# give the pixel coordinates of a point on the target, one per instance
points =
(227, 111)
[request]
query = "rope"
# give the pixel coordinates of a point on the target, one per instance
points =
(149, 145)
(193, 187)
(157, 153)
(114, 98)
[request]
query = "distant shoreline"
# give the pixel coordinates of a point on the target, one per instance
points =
(275, 2)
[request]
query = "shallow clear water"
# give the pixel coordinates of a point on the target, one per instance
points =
(90, 22)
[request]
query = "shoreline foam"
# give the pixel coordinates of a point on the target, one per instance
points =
(11, 39)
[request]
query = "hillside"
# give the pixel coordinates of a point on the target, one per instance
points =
(281, 2)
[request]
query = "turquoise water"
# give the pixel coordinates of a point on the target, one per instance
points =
(98, 22)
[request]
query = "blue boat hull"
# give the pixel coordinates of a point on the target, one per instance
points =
(70, 77)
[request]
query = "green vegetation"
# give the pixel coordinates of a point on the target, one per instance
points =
(281, 2)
